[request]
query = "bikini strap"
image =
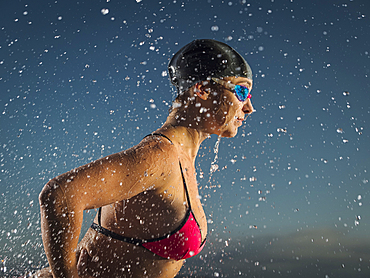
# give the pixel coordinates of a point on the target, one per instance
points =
(99, 216)
(186, 188)
(159, 134)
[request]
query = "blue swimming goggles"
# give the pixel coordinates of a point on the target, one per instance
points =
(241, 92)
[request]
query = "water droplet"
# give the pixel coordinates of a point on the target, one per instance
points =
(104, 11)
(214, 168)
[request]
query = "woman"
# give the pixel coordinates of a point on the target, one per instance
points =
(150, 218)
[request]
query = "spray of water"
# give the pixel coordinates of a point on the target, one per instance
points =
(214, 165)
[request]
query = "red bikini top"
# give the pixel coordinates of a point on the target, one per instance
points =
(182, 243)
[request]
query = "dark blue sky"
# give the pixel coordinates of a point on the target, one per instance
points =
(84, 79)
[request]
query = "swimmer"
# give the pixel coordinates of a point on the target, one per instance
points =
(149, 217)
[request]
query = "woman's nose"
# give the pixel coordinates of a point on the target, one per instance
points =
(248, 107)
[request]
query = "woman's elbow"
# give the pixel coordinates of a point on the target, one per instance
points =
(48, 194)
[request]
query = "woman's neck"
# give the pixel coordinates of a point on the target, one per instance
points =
(185, 136)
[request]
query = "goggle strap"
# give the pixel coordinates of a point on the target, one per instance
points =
(224, 83)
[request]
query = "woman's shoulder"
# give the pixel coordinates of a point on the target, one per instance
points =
(154, 147)
(121, 175)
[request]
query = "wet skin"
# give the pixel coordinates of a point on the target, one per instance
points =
(152, 213)
(228, 112)
(141, 192)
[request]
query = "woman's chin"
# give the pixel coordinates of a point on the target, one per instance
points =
(229, 133)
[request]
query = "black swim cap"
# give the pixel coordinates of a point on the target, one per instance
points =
(205, 58)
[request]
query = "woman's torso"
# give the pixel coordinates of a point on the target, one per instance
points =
(151, 214)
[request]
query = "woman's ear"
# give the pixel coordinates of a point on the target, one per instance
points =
(201, 91)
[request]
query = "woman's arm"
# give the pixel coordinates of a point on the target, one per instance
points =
(105, 181)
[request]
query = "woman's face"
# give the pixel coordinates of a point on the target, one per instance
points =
(228, 112)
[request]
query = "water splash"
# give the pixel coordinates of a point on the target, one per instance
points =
(214, 165)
